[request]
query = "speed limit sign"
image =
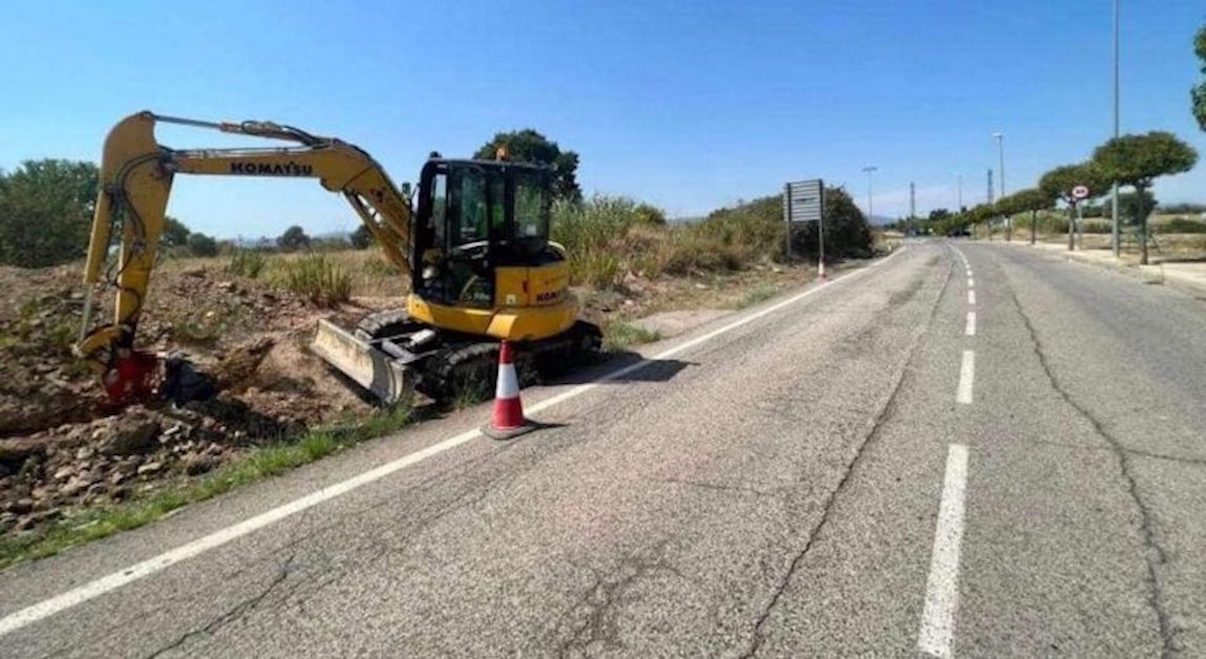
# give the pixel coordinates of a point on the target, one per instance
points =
(1080, 192)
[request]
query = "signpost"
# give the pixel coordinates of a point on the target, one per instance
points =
(804, 201)
(1079, 194)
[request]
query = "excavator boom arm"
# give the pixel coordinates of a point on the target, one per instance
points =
(136, 179)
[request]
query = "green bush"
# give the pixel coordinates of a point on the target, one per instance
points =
(46, 212)
(200, 244)
(317, 279)
(697, 250)
(592, 224)
(749, 231)
(652, 215)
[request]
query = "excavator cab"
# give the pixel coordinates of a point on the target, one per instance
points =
(475, 220)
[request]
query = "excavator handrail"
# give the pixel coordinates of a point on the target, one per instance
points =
(136, 178)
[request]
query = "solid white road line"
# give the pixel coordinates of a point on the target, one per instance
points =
(971, 298)
(92, 589)
(942, 587)
(970, 329)
(967, 376)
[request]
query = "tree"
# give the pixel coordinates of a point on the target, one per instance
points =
(293, 239)
(200, 244)
(46, 212)
(1032, 200)
(1006, 207)
(942, 222)
(361, 238)
(1137, 160)
(1061, 181)
(175, 234)
(1133, 204)
(1198, 93)
(981, 214)
(650, 215)
(527, 145)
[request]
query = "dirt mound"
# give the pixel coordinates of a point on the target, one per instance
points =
(63, 445)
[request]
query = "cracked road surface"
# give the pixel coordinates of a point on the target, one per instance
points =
(771, 491)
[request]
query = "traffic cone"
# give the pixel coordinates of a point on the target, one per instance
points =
(507, 419)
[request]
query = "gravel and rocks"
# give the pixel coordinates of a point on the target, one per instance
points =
(64, 447)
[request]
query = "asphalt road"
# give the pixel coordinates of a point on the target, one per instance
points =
(825, 474)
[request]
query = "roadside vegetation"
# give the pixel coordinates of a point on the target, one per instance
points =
(266, 461)
(610, 239)
(620, 334)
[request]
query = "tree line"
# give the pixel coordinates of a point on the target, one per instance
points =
(46, 215)
(1131, 161)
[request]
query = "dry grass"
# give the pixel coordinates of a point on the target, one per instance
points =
(610, 237)
(1166, 247)
(316, 278)
(367, 271)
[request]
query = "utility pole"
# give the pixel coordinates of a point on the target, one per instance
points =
(1000, 138)
(870, 210)
(912, 203)
(1114, 204)
(960, 209)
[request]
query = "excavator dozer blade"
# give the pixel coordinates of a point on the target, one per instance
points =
(362, 363)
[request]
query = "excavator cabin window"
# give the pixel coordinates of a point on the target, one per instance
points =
(473, 217)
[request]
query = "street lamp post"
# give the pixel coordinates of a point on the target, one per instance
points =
(870, 209)
(1000, 138)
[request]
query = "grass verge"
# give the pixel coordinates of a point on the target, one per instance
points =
(620, 335)
(760, 293)
(271, 460)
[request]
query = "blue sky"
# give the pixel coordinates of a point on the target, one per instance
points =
(689, 105)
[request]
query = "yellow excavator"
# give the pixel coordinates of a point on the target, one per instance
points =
(475, 246)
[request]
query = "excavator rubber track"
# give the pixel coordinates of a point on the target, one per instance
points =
(392, 355)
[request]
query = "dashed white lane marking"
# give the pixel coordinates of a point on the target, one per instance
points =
(942, 587)
(967, 377)
(970, 328)
(971, 297)
(92, 589)
(971, 283)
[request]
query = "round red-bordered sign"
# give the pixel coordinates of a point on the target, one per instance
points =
(1080, 192)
